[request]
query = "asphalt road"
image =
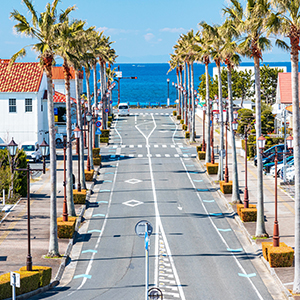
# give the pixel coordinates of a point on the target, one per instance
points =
(149, 173)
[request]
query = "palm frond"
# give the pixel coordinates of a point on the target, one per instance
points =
(17, 55)
(30, 7)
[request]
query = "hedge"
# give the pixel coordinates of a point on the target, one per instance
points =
(226, 188)
(97, 161)
(181, 121)
(212, 168)
(178, 117)
(89, 175)
(104, 139)
(110, 118)
(174, 112)
(96, 152)
(79, 197)
(281, 257)
(265, 248)
(241, 206)
(108, 124)
(65, 230)
(184, 127)
(187, 134)
(201, 154)
(44, 272)
(249, 214)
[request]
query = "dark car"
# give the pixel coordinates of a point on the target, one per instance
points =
(270, 151)
(270, 161)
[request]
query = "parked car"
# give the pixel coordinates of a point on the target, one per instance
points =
(32, 151)
(289, 162)
(290, 173)
(123, 109)
(270, 151)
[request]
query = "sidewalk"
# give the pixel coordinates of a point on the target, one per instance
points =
(286, 210)
(13, 230)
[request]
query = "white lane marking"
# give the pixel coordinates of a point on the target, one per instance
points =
(90, 264)
(155, 146)
(176, 155)
(158, 155)
(167, 155)
(123, 146)
(118, 131)
(140, 155)
(158, 221)
(164, 146)
(131, 146)
(140, 146)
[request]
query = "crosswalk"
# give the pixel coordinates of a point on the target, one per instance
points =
(180, 146)
(158, 155)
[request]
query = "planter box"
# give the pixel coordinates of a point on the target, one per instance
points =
(65, 230)
(79, 197)
(44, 272)
(174, 112)
(201, 154)
(248, 214)
(96, 152)
(212, 169)
(265, 248)
(178, 117)
(97, 160)
(241, 206)
(89, 175)
(280, 257)
(187, 135)
(226, 188)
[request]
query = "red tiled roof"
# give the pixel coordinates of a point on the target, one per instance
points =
(58, 73)
(21, 77)
(61, 98)
(285, 87)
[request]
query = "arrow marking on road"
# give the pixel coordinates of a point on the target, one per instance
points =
(224, 230)
(94, 230)
(247, 275)
(89, 251)
(99, 215)
(83, 275)
(215, 214)
(208, 201)
(235, 250)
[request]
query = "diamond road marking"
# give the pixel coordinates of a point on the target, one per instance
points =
(133, 181)
(132, 203)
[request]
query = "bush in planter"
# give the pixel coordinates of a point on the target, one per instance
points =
(96, 152)
(249, 214)
(241, 206)
(65, 230)
(199, 148)
(104, 139)
(110, 118)
(265, 248)
(187, 135)
(279, 257)
(89, 175)
(184, 127)
(201, 155)
(226, 188)
(212, 168)
(97, 161)
(181, 121)
(79, 197)
(44, 272)
(104, 133)
(108, 124)
(178, 117)
(174, 112)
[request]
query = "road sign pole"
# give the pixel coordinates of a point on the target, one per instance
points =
(14, 287)
(146, 261)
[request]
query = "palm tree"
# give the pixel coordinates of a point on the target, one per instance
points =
(231, 59)
(251, 24)
(285, 21)
(41, 27)
(67, 36)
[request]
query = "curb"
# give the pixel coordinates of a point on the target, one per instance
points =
(62, 266)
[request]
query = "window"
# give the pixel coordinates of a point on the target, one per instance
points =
(12, 105)
(28, 105)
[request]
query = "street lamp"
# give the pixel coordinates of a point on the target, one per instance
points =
(212, 138)
(276, 226)
(65, 207)
(45, 152)
(168, 100)
(77, 133)
(246, 196)
(203, 142)
(89, 119)
(226, 176)
(290, 143)
(12, 148)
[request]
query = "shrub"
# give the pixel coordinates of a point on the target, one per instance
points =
(280, 257)
(89, 175)
(97, 161)
(65, 230)
(110, 118)
(187, 135)
(181, 121)
(249, 214)
(267, 245)
(104, 139)
(201, 155)
(199, 148)
(96, 152)
(79, 197)
(44, 272)
(174, 112)
(226, 188)
(212, 168)
(104, 133)
(178, 117)
(108, 124)
(184, 127)
(241, 206)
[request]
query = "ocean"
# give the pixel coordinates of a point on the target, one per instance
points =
(151, 85)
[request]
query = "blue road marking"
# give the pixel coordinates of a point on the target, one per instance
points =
(103, 191)
(107, 181)
(89, 251)
(102, 202)
(197, 180)
(99, 215)
(208, 201)
(235, 250)
(247, 275)
(189, 165)
(109, 173)
(202, 190)
(224, 230)
(193, 172)
(94, 230)
(215, 214)
(112, 156)
(83, 276)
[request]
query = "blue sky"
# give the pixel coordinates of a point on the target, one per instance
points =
(143, 30)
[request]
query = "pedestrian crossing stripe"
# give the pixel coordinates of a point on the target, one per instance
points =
(208, 201)
(215, 214)
(247, 275)
(235, 250)
(83, 276)
(89, 251)
(224, 230)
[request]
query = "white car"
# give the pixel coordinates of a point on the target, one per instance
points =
(32, 151)
(290, 173)
(280, 167)
(123, 109)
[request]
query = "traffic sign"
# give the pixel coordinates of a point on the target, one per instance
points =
(140, 228)
(146, 240)
(106, 110)
(155, 293)
(98, 124)
(98, 131)
(15, 279)
(110, 102)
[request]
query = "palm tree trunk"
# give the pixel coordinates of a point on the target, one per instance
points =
(295, 101)
(193, 133)
(69, 171)
(235, 179)
(184, 97)
(178, 104)
(80, 124)
(95, 98)
(180, 93)
(220, 169)
(103, 96)
(88, 92)
(53, 239)
(260, 222)
(207, 154)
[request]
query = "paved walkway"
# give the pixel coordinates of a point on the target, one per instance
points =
(286, 210)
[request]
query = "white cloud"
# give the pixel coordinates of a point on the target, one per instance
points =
(149, 36)
(173, 30)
